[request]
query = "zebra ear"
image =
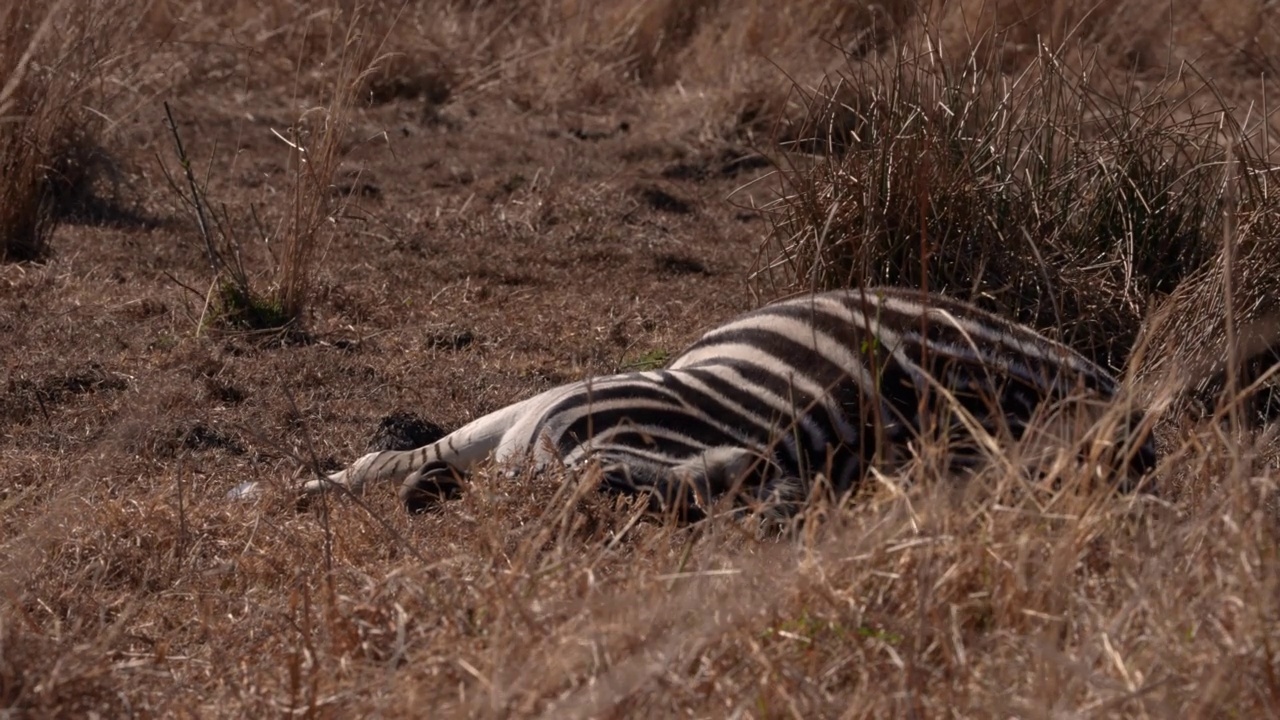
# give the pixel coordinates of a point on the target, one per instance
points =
(432, 484)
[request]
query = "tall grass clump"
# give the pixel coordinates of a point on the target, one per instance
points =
(293, 233)
(1064, 193)
(55, 62)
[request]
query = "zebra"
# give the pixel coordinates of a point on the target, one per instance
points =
(808, 391)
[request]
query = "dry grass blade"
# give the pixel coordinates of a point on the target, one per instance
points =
(543, 202)
(1051, 195)
(316, 151)
(315, 144)
(50, 121)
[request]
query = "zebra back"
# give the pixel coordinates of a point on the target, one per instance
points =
(866, 372)
(821, 385)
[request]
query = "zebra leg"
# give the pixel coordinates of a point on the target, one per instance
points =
(627, 477)
(687, 489)
(461, 449)
(715, 472)
(746, 476)
(429, 485)
(373, 467)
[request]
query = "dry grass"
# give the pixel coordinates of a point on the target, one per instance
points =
(1068, 194)
(532, 193)
(1049, 184)
(293, 235)
(57, 64)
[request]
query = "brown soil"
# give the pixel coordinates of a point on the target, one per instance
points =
(532, 202)
(487, 253)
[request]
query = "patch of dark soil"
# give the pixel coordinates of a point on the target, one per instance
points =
(686, 171)
(597, 258)
(663, 201)
(183, 437)
(591, 134)
(727, 163)
(223, 392)
(99, 212)
(404, 430)
(449, 339)
(680, 265)
(642, 152)
(432, 88)
(410, 78)
(199, 437)
(346, 345)
(83, 186)
(504, 278)
(356, 183)
(26, 397)
(90, 378)
(415, 244)
(247, 343)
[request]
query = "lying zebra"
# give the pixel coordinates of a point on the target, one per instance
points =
(821, 385)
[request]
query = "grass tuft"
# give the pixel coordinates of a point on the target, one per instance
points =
(1055, 161)
(1065, 195)
(52, 104)
(244, 310)
(294, 234)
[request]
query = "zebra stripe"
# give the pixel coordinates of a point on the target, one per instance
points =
(822, 384)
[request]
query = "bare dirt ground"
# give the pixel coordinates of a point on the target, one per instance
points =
(489, 252)
(504, 236)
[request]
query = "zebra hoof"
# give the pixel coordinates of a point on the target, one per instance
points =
(426, 489)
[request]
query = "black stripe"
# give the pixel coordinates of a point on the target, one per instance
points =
(701, 434)
(998, 371)
(1054, 366)
(715, 402)
(602, 390)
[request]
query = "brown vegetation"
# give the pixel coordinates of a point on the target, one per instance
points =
(56, 65)
(520, 194)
